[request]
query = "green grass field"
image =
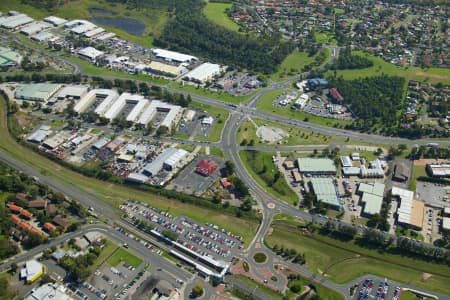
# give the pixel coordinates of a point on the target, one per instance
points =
(417, 172)
(154, 19)
(108, 250)
(325, 38)
(297, 136)
(432, 75)
(292, 65)
(221, 96)
(123, 255)
(115, 194)
(215, 12)
(220, 117)
(281, 189)
(344, 261)
(265, 104)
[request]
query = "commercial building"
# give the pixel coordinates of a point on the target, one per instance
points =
(72, 92)
(173, 161)
(154, 167)
(105, 36)
(205, 72)
(94, 32)
(137, 110)
(45, 36)
(334, 93)
(36, 91)
(40, 135)
(159, 68)
(173, 57)
(9, 58)
(301, 101)
(206, 167)
(174, 113)
(442, 170)
(32, 271)
(49, 291)
(93, 96)
(346, 162)
(91, 53)
(34, 28)
(376, 170)
(316, 166)
(55, 21)
(14, 21)
(119, 104)
(410, 212)
(326, 192)
(371, 197)
(317, 83)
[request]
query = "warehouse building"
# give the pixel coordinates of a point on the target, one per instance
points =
(40, 135)
(45, 36)
(205, 72)
(105, 36)
(137, 110)
(410, 212)
(326, 192)
(172, 56)
(94, 32)
(14, 21)
(95, 95)
(91, 53)
(174, 113)
(34, 28)
(32, 271)
(119, 104)
(173, 161)
(346, 162)
(316, 166)
(442, 170)
(376, 170)
(158, 68)
(154, 167)
(49, 291)
(72, 92)
(55, 21)
(371, 197)
(9, 58)
(36, 91)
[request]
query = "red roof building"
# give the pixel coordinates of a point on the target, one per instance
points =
(225, 183)
(336, 95)
(206, 167)
(49, 226)
(26, 214)
(16, 220)
(24, 225)
(17, 209)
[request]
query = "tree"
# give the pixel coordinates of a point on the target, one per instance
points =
(170, 234)
(197, 291)
(228, 170)
(162, 130)
(13, 268)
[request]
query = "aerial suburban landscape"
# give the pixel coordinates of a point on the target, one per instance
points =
(224, 149)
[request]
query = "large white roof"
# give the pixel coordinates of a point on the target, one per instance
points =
(90, 97)
(90, 52)
(34, 28)
(137, 110)
(16, 20)
(120, 103)
(55, 20)
(173, 56)
(204, 72)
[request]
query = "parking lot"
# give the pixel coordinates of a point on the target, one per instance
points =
(208, 240)
(378, 290)
(188, 181)
(195, 126)
(433, 194)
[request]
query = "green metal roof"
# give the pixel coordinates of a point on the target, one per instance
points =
(316, 165)
(372, 203)
(38, 91)
(325, 191)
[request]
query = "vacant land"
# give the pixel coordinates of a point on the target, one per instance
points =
(122, 255)
(325, 38)
(216, 12)
(262, 169)
(220, 117)
(432, 75)
(108, 250)
(116, 193)
(221, 96)
(344, 261)
(418, 171)
(292, 65)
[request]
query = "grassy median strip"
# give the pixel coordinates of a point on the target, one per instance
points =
(343, 261)
(117, 193)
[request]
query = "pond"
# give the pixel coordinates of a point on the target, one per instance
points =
(132, 26)
(100, 11)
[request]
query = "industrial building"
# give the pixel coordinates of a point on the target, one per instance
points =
(105, 36)
(36, 91)
(442, 170)
(32, 271)
(118, 105)
(72, 92)
(346, 162)
(446, 219)
(376, 170)
(49, 291)
(173, 161)
(93, 96)
(159, 68)
(93, 32)
(9, 58)
(334, 93)
(155, 166)
(410, 212)
(316, 166)
(326, 192)
(204, 73)
(91, 53)
(55, 21)
(174, 113)
(40, 135)
(45, 36)
(34, 28)
(173, 57)
(15, 20)
(371, 197)
(133, 116)
(301, 101)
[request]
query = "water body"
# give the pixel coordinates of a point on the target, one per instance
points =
(100, 11)
(132, 26)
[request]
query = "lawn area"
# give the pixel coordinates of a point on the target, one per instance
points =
(407, 295)
(325, 38)
(108, 250)
(433, 75)
(265, 104)
(323, 292)
(297, 136)
(417, 172)
(123, 255)
(292, 65)
(263, 170)
(154, 19)
(115, 194)
(221, 96)
(220, 117)
(339, 11)
(57, 123)
(216, 12)
(344, 261)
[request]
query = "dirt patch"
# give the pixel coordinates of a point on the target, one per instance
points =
(271, 134)
(435, 76)
(425, 161)
(426, 276)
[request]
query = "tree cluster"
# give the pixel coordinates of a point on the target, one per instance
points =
(289, 254)
(78, 267)
(347, 60)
